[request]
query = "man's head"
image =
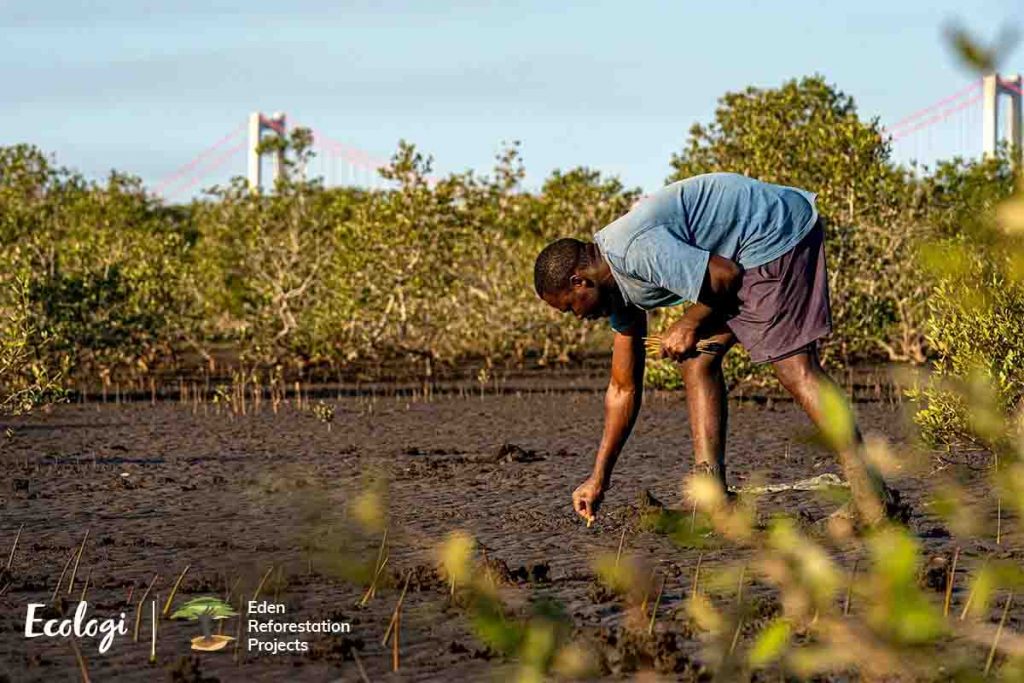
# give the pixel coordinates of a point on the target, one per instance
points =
(571, 276)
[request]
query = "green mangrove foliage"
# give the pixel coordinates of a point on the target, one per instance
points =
(975, 318)
(808, 134)
(427, 271)
(92, 276)
(102, 280)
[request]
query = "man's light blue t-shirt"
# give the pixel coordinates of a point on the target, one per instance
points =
(659, 251)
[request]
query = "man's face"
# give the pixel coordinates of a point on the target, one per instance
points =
(583, 298)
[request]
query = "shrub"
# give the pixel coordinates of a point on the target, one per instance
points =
(103, 278)
(976, 310)
(429, 271)
(806, 133)
(94, 272)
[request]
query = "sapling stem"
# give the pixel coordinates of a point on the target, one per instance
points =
(396, 615)
(231, 591)
(967, 604)
(174, 590)
(999, 632)
(653, 344)
(153, 623)
(372, 589)
(381, 560)
(80, 659)
(999, 520)
(999, 505)
(654, 610)
(78, 558)
(849, 588)
(243, 613)
(259, 587)
(85, 586)
(736, 635)
(63, 572)
(359, 665)
(950, 579)
(394, 642)
(14, 546)
(138, 609)
(618, 553)
(279, 583)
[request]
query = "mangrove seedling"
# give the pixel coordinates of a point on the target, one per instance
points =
(325, 413)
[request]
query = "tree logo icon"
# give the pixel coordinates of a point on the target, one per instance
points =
(205, 610)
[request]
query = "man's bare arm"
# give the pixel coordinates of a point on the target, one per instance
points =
(622, 403)
(623, 398)
(718, 291)
(716, 299)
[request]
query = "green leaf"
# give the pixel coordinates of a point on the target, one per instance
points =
(771, 643)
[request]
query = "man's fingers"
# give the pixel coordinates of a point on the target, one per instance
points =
(677, 355)
(673, 352)
(584, 507)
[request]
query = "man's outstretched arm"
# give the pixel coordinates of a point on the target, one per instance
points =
(717, 298)
(621, 406)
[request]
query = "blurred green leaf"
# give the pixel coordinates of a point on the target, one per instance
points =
(975, 56)
(771, 643)
(898, 607)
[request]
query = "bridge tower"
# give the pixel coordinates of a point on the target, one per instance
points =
(992, 87)
(258, 125)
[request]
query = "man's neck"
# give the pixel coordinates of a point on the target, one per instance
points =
(599, 269)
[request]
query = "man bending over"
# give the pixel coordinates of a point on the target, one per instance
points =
(751, 258)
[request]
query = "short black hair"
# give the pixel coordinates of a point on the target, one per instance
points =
(556, 263)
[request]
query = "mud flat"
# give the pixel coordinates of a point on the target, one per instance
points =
(234, 498)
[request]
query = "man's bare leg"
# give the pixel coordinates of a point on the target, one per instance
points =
(803, 377)
(707, 404)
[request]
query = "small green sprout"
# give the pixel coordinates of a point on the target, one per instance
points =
(325, 413)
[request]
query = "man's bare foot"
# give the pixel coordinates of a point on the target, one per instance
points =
(716, 472)
(896, 510)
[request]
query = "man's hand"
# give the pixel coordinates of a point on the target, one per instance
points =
(587, 497)
(679, 341)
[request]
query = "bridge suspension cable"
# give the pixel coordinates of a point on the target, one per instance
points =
(175, 177)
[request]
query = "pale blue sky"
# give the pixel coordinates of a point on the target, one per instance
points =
(143, 86)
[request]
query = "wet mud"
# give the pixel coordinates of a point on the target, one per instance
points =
(263, 502)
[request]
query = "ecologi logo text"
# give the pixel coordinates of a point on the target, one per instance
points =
(206, 610)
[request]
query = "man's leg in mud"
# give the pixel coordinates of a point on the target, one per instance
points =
(803, 377)
(707, 404)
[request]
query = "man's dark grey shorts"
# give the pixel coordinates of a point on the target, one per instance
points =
(784, 303)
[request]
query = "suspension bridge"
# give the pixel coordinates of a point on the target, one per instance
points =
(965, 123)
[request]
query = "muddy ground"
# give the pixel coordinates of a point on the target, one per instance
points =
(162, 486)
